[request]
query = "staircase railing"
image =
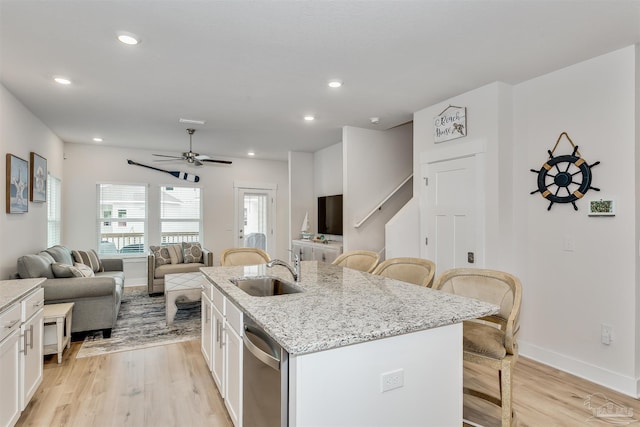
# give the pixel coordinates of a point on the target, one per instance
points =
(379, 205)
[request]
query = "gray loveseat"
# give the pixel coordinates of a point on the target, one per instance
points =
(169, 259)
(97, 298)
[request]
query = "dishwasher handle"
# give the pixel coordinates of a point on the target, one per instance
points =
(265, 358)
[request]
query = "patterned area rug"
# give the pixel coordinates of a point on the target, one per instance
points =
(142, 323)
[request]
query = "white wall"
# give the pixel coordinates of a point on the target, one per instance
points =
(20, 133)
(85, 165)
(489, 124)
(637, 234)
(569, 294)
(401, 233)
(327, 181)
(301, 197)
(374, 164)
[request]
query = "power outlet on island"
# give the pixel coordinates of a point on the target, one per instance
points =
(392, 380)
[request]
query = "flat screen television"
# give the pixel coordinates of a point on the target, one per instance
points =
(330, 215)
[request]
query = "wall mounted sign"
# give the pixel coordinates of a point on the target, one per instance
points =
(450, 124)
(564, 179)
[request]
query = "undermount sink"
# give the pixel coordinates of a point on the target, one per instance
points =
(265, 286)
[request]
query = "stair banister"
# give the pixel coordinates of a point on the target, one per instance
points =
(379, 205)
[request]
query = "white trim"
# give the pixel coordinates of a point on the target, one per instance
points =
(255, 185)
(450, 152)
(613, 380)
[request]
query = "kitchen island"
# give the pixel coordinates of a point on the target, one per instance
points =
(350, 335)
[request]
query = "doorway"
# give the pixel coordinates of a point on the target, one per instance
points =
(255, 213)
(453, 210)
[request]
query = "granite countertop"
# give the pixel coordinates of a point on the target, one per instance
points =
(341, 306)
(14, 290)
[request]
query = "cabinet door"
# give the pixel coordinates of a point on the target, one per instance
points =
(206, 334)
(233, 396)
(32, 352)
(307, 253)
(217, 350)
(10, 379)
(296, 248)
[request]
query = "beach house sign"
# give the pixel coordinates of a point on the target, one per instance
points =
(450, 124)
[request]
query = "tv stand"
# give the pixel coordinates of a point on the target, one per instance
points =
(309, 250)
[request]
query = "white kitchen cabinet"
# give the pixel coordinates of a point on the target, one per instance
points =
(32, 337)
(10, 365)
(21, 346)
(233, 395)
(217, 350)
(308, 250)
(226, 352)
(206, 334)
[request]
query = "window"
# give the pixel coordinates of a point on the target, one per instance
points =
(54, 216)
(125, 233)
(180, 214)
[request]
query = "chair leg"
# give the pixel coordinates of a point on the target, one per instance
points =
(505, 393)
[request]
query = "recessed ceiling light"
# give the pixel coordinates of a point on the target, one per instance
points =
(62, 80)
(335, 83)
(97, 139)
(128, 38)
(251, 153)
(309, 118)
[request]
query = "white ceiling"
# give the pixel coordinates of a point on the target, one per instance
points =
(253, 69)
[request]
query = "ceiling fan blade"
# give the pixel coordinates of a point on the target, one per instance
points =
(172, 157)
(224, 162)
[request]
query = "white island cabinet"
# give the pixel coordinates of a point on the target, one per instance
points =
(21, 345)
(362, 349)
(222, 348)
(308, 250)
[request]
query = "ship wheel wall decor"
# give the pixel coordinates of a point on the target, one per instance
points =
(566, 178)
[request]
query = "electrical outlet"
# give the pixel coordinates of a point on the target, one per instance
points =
(392, 380)
(568, 244)
(606, 334)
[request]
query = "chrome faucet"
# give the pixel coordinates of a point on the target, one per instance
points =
(295, 270)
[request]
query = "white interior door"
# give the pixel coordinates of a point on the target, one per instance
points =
(452, 229)
(255, 215)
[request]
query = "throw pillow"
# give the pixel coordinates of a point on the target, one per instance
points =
(95, 254)
(84, 269)
(175, 251)
(61, 270)
(192, 252)
(161, 253)
(88, 258)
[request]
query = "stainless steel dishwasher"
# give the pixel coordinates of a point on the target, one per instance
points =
(265, 379)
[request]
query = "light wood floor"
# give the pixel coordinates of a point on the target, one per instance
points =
(171, 386)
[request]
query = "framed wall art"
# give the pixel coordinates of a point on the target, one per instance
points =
(17, 184)
(602, 208)
(38, 187)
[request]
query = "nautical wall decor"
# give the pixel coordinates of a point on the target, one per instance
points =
(450, 124)
(566, 178)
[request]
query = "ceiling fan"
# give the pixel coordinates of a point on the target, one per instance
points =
(191, 157)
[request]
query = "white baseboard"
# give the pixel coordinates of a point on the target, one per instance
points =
(613, 380)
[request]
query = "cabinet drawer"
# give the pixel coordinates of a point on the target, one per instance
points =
(234, 316)
(207, 288)
(32, 304)
(9, 320)
(218, 299)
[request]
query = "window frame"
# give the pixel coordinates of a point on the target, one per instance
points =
(199, 220)
(54, 199)
(117, 220)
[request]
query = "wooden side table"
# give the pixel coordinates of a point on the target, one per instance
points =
(60, 314)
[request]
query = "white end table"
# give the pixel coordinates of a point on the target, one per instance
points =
(60, 314)
(181, 287)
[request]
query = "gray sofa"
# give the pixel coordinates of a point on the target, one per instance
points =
(173, 264)
(97, 298)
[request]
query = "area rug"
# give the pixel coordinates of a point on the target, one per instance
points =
(142, 323)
